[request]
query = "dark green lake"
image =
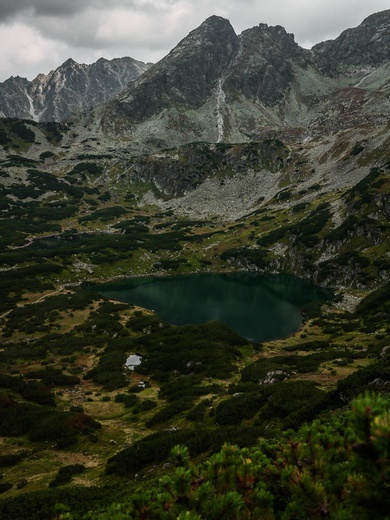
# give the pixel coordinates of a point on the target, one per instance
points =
(259, 307)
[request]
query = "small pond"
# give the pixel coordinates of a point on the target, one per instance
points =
(55, 242)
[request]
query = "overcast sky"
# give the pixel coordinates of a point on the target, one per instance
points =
(36, 36)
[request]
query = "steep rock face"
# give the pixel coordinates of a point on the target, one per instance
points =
(178, 171)
(186, 76)
(69, 88)
(263, 68)
(212, 60)
(215, 86)
(14, 101)
(219, 87)
(356, 50)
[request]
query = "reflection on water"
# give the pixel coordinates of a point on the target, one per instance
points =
(259, 307)
(57, 242)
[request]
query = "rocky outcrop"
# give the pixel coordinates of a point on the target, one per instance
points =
(180, 170)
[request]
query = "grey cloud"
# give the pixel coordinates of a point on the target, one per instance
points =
(149, 24)
(15, 8)
(149, 29)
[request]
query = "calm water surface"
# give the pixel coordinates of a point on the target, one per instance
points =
(259, 307)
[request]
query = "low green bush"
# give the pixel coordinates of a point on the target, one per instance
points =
(65, 474)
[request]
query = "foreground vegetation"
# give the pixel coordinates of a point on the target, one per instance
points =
(338, 467)
(335, 467)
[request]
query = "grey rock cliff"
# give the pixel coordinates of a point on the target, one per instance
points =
(263, 69)
(356, 50)
(212, 59)
(217, 86)
(186, 76)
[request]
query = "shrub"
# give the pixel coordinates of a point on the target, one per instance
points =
(234, 410)
(156, 448)
(5, 486)
(65, 474)
(11, 459)
(145, 405)
(169, 411)
(127, 400)
(88, 167)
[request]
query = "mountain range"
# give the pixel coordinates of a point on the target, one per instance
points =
(329, 106)
(219, 86)
(71, 87)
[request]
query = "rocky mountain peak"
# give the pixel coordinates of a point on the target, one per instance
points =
(378, 19)
(263, 69)
(214, 22)
(219, 86)
(213, 29)
(360, 48)
(186, 76)
(214, 38)
(70, 62)
(276, 32)
(69, 67)
(271, 40)
(70, 87)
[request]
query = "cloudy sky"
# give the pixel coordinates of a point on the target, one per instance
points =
(38, 35)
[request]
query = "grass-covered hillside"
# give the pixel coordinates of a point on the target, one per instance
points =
(264, 428)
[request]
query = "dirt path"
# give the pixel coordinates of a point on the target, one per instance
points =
(40, 299)
(5, 314)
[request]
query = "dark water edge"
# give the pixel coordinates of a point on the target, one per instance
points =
(260, 307)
